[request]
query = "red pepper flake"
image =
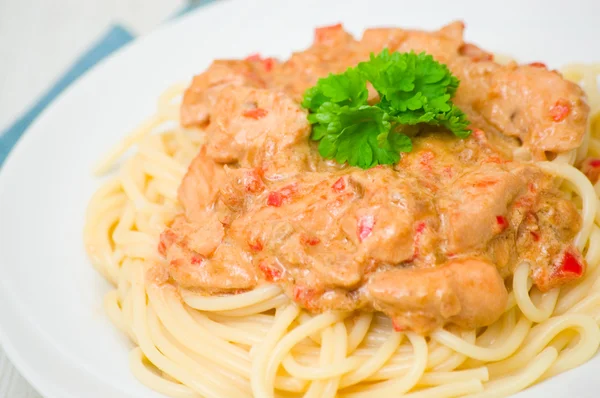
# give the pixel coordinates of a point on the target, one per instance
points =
(309, 240)
(269, 63)
(276, 198)
(304, 296)
(323, 33)
(560, 110)
(397, 326)
(256, 245)
(591, 168)
(538, 65)
(502, 222)
(339, 185)
(196, 259)
(272, 274)
(365, 227)
(535, 236)
(570, 264)
(256, 113)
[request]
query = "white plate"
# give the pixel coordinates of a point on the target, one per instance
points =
(52, 324)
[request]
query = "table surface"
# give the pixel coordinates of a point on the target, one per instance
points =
(39, 40)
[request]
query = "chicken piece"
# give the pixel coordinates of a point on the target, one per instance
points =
(258, 128)
(475, 202)
(200, 186)
(442, 44)
(333, 51)
(547, 113)
(467, 292)
(202, 93)
(198, 257)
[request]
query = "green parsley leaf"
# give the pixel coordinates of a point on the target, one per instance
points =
(413, 89)
(348, 88)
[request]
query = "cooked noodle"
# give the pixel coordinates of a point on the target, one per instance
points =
(259, 343)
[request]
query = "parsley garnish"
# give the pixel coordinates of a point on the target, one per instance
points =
(413, 89)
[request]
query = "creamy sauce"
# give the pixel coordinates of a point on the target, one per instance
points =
(429, 241)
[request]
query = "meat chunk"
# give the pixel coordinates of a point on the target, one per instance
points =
(472, 208)
(544, 111)
(201, 95)
(199, 258)
(258, 128)
(466, 292)
(443, 44)
(200, 186)
(333, 51)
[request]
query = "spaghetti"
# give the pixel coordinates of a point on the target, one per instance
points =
(259, 343)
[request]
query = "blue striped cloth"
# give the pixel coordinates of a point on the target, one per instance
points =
(115, 38)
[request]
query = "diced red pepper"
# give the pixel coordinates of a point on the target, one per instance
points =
(535, 236)
(570, 264)
(309, 240)
(256, 113)
(560, 110)
(502, 222)
(365, 227)
(256, 245)
(276, 198)
(304, 296)
(271, 274)
(196, 259)
(538, 65)
(269, 63)
(591, 168)
(339, 185)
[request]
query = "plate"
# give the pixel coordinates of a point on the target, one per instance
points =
(52, 325)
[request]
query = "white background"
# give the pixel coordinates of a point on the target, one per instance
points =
(39, 39)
